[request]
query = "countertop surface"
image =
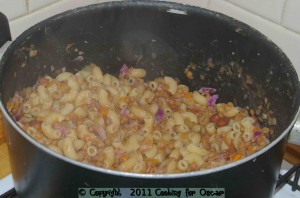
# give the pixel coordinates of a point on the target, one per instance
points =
(4, 156)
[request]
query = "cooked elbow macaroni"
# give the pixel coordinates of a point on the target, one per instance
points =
(127, 124)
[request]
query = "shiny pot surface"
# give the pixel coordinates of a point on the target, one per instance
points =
(162, 38)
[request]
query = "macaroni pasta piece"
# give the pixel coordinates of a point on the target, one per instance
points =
(47, 125)
(69, 150)
(172, 84)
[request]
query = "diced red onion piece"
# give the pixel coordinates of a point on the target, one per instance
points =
(124, 70)
(212, 100)
(16, 117)
(124, 111)
(63, 131)
(207, 90)
(159, 115)
(256, 134)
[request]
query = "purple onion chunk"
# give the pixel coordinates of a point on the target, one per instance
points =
(124, 70)
(124, 111)
(63, 130)
(16, 117)
(256, 134)
(207, 90)
(160, 114)
(212, 100)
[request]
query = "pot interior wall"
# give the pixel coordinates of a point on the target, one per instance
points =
(239, 62)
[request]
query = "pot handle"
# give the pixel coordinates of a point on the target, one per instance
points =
(4, 30)
(294, 137)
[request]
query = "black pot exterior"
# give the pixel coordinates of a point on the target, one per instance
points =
(163, 38)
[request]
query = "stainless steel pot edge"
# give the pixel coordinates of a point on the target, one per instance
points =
(148, 176)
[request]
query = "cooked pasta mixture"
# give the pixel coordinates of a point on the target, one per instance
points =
(130, 125)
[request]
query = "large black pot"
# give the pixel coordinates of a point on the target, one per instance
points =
(156, 36)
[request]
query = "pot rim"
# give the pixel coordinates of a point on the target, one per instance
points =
(129, 174)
